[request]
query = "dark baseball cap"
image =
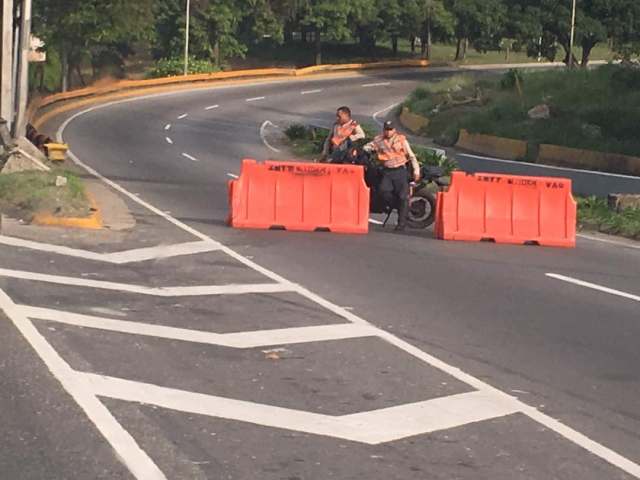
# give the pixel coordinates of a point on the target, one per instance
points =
(388, 125)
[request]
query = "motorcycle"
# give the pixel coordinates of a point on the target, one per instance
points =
(422, 202)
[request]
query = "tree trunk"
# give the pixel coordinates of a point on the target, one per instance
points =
(566, 57)
(318, 42)
(64, 61)
(423, 45)
(587, 47)
(429, 40)
(394, 45)
(412, 40)
(458, 49)
(466, 47)
(216, 53)
(78, 69)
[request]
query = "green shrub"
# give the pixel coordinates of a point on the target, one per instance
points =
(512, 79)
(172, 67)
(626, 78)
(428, 156)
(594, 213)
(296, 131)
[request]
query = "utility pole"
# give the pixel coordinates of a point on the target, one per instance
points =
(572, 34)
(6, 62)
(186, 39)
(20, 124)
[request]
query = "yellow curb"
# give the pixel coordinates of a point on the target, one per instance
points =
(133, 88)
(92, 222)
(413, 121)
(492, 146)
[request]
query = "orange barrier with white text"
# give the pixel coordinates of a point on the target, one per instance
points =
(507, 209)
(299, 196)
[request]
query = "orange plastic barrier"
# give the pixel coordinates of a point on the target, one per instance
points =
(507, 209)
(300, 196)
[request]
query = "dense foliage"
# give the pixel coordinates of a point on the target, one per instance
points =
(91, 38)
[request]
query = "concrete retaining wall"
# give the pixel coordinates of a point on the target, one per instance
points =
(492, 146)
(589, 160)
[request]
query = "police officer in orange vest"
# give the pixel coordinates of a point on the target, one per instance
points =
(395, 153)
(344, 132)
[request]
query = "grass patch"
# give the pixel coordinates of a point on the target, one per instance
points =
(591, 109)
(594, 214)
(24, 194)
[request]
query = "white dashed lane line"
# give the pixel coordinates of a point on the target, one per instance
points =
(167, 126)
(232, 175)
(380, 84)
(254, 99)
(169, 141)
(308, 92)
(211, 107)
(594, 286)
(193, 159)
(184, 115)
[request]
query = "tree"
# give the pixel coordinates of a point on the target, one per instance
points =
(480, 22)
(327, 19)
(621, 19)
(81, 29)
(436, 24)
(365, 22)
(220, 29)
(543, 25)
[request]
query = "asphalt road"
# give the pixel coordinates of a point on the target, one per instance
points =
(436, 322)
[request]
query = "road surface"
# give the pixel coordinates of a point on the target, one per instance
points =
(247, 354)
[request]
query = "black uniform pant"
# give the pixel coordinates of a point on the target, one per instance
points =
(394, 189)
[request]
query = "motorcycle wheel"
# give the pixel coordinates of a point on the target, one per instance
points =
(422, 210)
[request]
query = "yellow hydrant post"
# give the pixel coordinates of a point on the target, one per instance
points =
(57, 151)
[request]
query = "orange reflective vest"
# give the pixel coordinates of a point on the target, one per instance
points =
(342, 132)
(391, 151)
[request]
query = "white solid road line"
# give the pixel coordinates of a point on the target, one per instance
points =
(211, 107)
(635, 246)
(199, 290)
(594, 286)
(167, 126)
(379, 84)
(567, 432)
(254, 99)
(184, 115)
(254, 339)
(193, 159)
(373, 427)
(135, 459)
(118, 258)
(376, 222)
(380, 112)
(263, 134)
(308, 92)
(169, 141)
(233, 175)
